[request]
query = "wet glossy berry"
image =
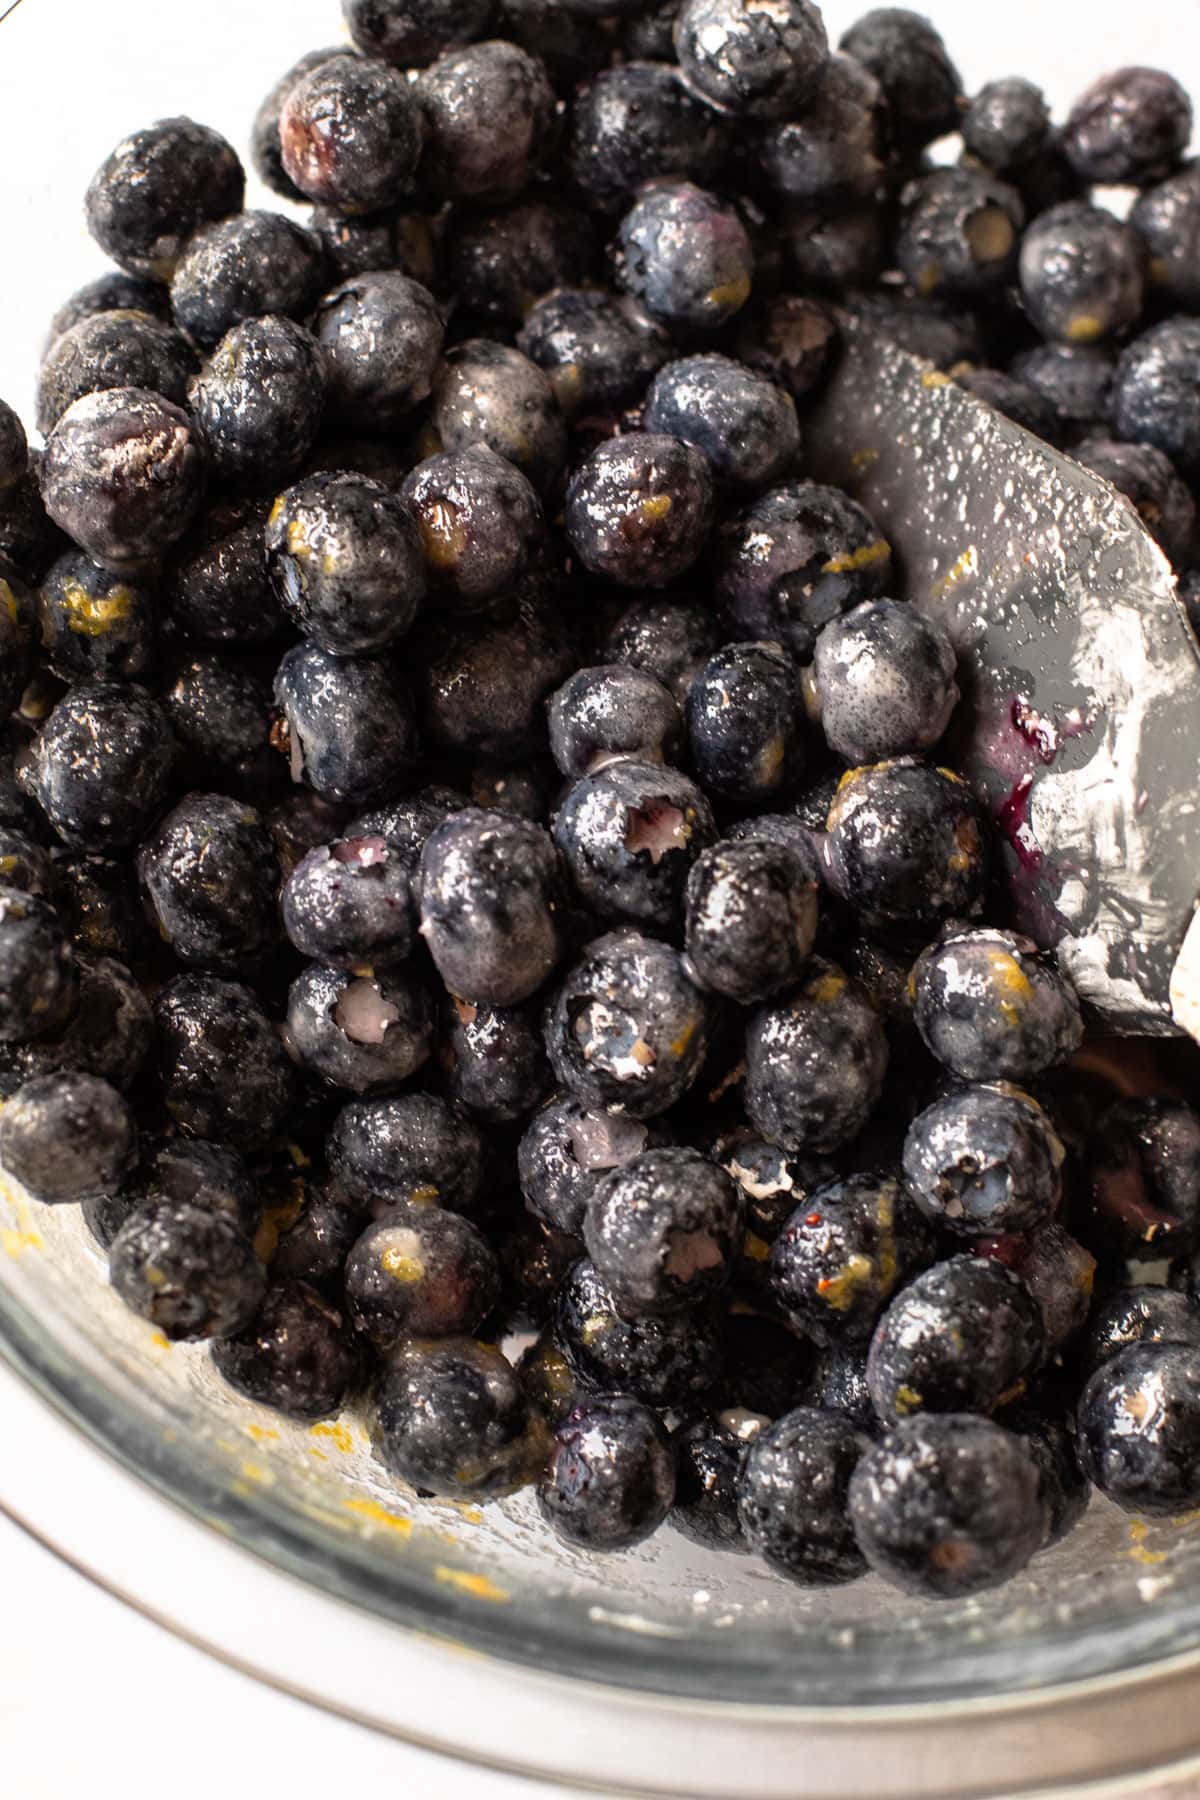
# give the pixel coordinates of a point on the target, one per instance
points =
(610, 712)
(610, 1479)
(350, 904)
(345, 561)
(314, 1249)
(836, 253)
(407, 1148)
(381, 335)
(1139, 1428)
(628, 835)
(111, 350)
(1156, 391)
(843, 1252)
(223, 1070)
(708, 1456)
(107, 1035)
(751, 919)
(478, 520)
(1081, 274)
(756, 61)
(745, 721)
(490, 906)
(948, 1506)
(685, 254)
(220, 713)
(794, 559)
(634, 123)
(29, 538)
(1007, 125)
(122, 474)
(93, 625)
(180, 1169)
(488, 112)
(350, 133)
(669, 638)
(1143, 1192)
(594, 358)
(499, 260)
(906, 845)
(958, 233)
(158, 186)
(815, 1062)
(296, 1355)
(639, 509)
(984, 1161)
(67, 1137)
(792, 1497)
(742, 422)
(410, 35)
(991, 1007)
(907, 57)
(359, 1032)
(101, 765)
(1129, 127)
(495, 1059)
(962, 1337)
(420, 1272)
(266, 152)
(215, 588)
(1065, 1489)
(356, 243)
(884, 677)
(211, 878)
(662, 1230)
(1167, 219)
(451, 1417)
(663, 1360)
(571, 42)
(839, 1384)
(832, 151)
(258, 400)
(114, 291)
(567, 1151)
(350, 725)
(189, 1271)
(1134, 1315)
(488, 393)
(243, 268)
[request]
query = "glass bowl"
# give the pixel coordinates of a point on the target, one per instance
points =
(664, 1669)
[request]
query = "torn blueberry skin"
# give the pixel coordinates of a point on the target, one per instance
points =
(670, 1360)
(637, 122)
(381, 335)
(610, 1478)
(350, 730)
(984, 1161)
(478, 520)
(158, 187)
(843, 1252)
(792, 1491)
(488, 112)
(350, 904)
(567, 1150)
(494, 1059)
(451, 1418)
(815, 1062)
(1137, 1424)
(407, 1149)
(685, 255)
(662, 1230)
(211, 878)
(188, 1271)
(350, 133)
(118, 349)
(221, 1066)
(959, 233)
(1142, 1195)
(991, 1007)
(491, 906)
(68, 1137)
(362, 1032)
(296, 1355)
(751, 919)
(420, 1272)
(628, 835)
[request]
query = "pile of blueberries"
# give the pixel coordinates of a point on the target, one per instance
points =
(476, 866)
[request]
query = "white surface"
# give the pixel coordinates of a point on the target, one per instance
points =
(94, 1699)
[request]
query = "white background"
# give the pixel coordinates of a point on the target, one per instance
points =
(95, 1700)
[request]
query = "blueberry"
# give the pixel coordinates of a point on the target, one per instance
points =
(708, 1456)
(301, 821)
(490, 900)
(345, 561)
(350, 904)
(884, 678)
(1167, 219)
(944, 334)
(839, 1384)
(188, 1271)
(594, 358)
(767, 1369)
(648, 33)
(906, 845)
(243, 268)
(760, 62)
(610, 1479)
(29, 538)
(639, 509)
(409, 1149)
(837, 253)
(948, 1506)
(1074, 379)
(663, 1361)
(685, 254)
(350, 725)
(110, 350)
(478, 519)
(548, 1380)
(662, 1230)
(634, 123)
(833, 151)
(420, 1272)
(1156, 391)
(68, 1137)
(406, 824)
(314, 1249)
(843, 1252)
(1065, 1489)
(533, 1260)
(1132, 1315)
(490, 394)
(211, 877)
(350, 133)
(984, 1161)
(742, 422)
(669, 638)
(815, 1063)
(114, 291)
(1143, 1193)
(1081, 274)
(93, 625)
(381, 335)
(610, 712)
(295, 1355)
(220, 712)
(101, 765)
(774, 1185)
(157, 187)
(745, 723)
(794, 559)
(1057, 1270)
(223, 1069)
(963, 1337)
(489, 113)
(266, 151)
(122, 475)
(1147, 478)
(202, 1174)
(258, 400)
(921, 85)
(1139, 1428)
(566, 1152)
(411, 35)
(451, 1418)
(357, 1031)
(792, 340)
(1018, 400)
(572, 44)
(792, 1497)
(991, 1007)
(751, 919)
(1129, 127)
(107, 1035)
(215, 587)
(495, 1060)
(499, 260)
(629, 835)
(958, 232)
(1007, 125)
(357, 243)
